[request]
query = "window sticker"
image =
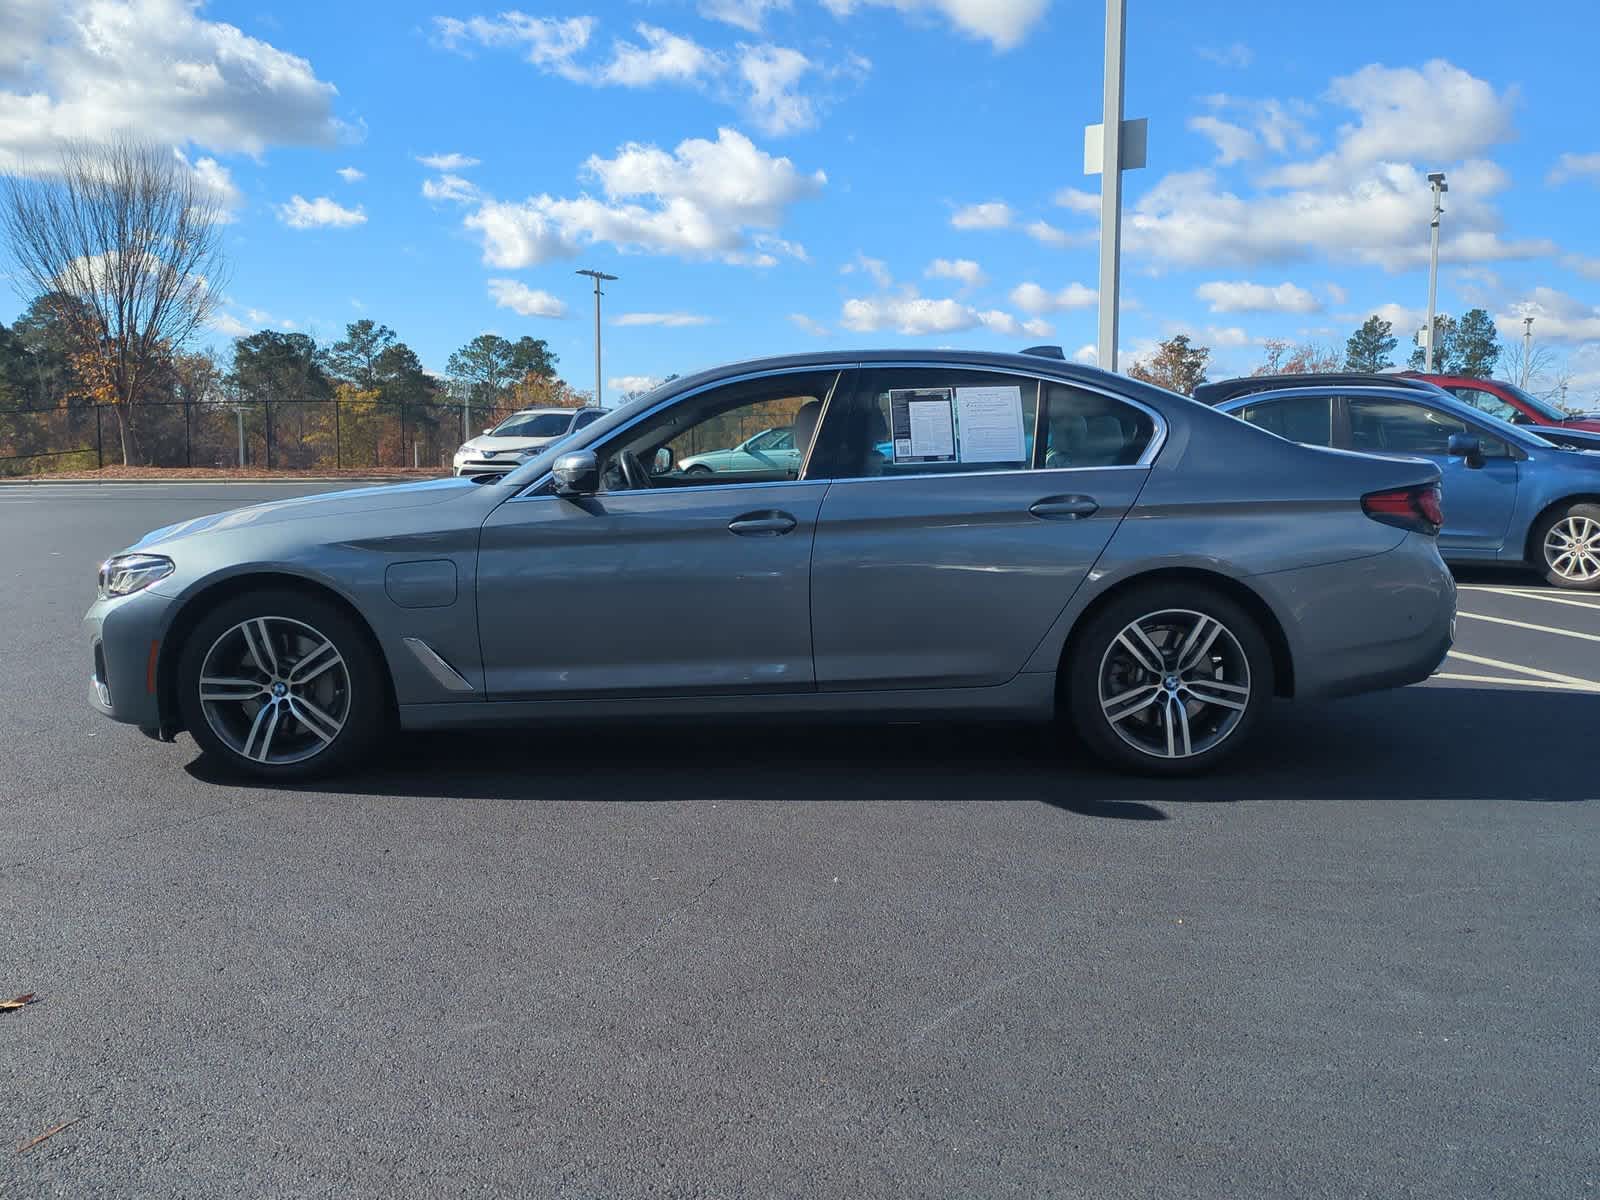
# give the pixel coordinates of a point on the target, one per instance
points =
(989, 425)
(922, 424)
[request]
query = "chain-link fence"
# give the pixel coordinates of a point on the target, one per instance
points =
(277, 435)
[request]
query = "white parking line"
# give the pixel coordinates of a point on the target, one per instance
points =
(1532, 594)
(1582, 685)
(1495, 679)
(1571, 633)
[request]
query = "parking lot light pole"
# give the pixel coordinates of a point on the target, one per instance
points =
(1527, 350)
(1440, 187)
(597, 276)
(1109, 149)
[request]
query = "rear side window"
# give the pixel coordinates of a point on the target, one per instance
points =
(1305, 419)
(1086, 429)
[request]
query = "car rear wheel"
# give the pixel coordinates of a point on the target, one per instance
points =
(699, 470)
(1568, 543)
(281, 685)
(1168, 679)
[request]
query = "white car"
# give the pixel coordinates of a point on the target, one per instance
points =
(771, 449)
(519, 437)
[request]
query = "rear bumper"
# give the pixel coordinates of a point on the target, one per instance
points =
(124, 636)
(1361, 626)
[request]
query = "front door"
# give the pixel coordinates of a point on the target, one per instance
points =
(1478, 501)
(965, 516)
(664, 582)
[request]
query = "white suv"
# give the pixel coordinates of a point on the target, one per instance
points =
(519, 437)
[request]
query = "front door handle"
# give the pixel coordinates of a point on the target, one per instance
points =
(1064, 508)
(762, 524)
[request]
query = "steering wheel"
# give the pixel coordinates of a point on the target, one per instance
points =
(633, 472)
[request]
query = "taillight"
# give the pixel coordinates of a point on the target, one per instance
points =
(1415, 508)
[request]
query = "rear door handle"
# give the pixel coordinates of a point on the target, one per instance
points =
(762, 524)
(1064, 508)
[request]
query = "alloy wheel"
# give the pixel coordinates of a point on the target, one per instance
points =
(1174, 683)
(275, 690)
(1572, 548)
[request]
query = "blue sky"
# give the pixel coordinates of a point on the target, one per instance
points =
(767, 175)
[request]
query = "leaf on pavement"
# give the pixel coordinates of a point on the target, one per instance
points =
(16, 1002)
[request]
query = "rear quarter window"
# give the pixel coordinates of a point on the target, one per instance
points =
(1304, 419)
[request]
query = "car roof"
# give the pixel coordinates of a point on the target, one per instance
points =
(1227, 389)
(1441, 400)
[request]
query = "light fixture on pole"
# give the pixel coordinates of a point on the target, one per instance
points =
(1440, 187)
(1110, 148)
(1527, 351)
(597, 276)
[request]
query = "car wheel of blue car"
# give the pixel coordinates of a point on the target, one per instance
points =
(1568, 547)
(1168, 679)
(281, 684)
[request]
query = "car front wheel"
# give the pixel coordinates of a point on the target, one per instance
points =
(1168, 679)
(281, 685)
(1569, 547)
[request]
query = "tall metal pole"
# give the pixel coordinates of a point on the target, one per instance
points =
(597, 276)
(1527, 350)
(1111, 186)
(1436, 181)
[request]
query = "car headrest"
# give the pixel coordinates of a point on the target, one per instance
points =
(805, 425)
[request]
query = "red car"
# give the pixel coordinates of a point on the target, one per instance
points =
(1508, 402)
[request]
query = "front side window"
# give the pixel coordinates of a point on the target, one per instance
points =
(1489, 403)
(1402, 427)
(709, 438)
(1304, 419)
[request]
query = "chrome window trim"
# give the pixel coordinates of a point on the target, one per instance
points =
(678, 397)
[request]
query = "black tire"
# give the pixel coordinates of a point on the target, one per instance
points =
(1545, 561)
(1096, 653)
(359, 697)
(699, 470)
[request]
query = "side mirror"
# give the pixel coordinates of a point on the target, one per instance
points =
(1466, 446)
(662, 462)
(577, 474)
(486, 433)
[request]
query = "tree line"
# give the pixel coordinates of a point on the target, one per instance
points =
(1470, 346)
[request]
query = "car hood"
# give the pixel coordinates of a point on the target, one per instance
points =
(326, 504)
(501, 445)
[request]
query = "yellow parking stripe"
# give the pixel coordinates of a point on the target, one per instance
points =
(1571, 633)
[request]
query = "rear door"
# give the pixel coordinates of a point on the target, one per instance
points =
(967, 508)
(1478, 501)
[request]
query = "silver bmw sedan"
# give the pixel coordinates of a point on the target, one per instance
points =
(959, 534)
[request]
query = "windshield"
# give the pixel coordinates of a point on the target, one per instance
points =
(1544, 408)
(533, 425)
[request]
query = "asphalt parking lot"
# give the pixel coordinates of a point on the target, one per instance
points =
(897, 961)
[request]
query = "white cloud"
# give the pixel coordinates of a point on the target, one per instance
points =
(547, 43)
(520, 298)
(1240, 296)
(1043, 231)
(1575, 166)
(446, 162)
(153, 70)
(1005, 23)
(1589, 268)
(1235, 55)
(321, 213)
(1078, 201)
(1404, 321)
(1088, 355)
(215, 183)
(665, 57)
(807, 325)
(450, 187)
(1557, 317)
(1227, 337)
(1030, 297)
(672, 320)
(1038, 327)
(748, 15)
(771, 73)
(1336, 294)
(351, 174)
(626, 385)
(875, 267)
(964, 269)
(230, 326)
(704, 200)
(990, 215)
(1234, 143)
(919, 316)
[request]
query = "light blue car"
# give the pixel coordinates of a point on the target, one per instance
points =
(1511, 496)
(769, 450)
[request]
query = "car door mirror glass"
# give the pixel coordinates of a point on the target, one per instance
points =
(577, 474)
(1466, 446)
(661, 464)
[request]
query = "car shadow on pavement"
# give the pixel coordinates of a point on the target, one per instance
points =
(1416, 743)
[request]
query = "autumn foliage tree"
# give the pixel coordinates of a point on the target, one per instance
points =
(1176, 365)
(123, 242)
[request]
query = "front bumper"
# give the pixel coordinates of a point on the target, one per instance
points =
(124, 637)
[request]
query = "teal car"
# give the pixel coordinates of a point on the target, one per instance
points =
(769, 450)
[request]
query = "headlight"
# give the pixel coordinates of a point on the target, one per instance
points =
(127, 573)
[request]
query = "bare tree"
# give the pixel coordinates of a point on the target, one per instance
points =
(1526, 367)
(131, 240)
